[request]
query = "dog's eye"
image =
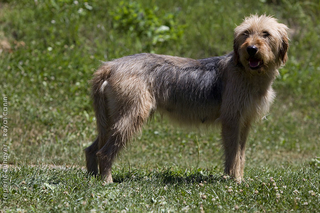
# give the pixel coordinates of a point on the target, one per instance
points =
(246, 33)
(265, 34)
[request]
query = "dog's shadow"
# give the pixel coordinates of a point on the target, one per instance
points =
(170, 177)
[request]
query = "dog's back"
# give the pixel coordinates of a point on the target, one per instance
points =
(188, 90)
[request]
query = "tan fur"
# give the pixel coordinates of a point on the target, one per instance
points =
(234, 90)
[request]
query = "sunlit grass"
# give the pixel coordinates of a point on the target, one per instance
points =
(54, 48)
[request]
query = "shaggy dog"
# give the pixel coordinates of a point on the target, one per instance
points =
(233, 90)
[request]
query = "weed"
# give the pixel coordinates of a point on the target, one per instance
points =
(145, 24)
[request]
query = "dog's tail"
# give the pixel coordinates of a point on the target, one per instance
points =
(100, 103)
(99, 81)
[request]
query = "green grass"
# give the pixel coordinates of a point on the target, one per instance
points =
(55, 46)
(169, 190)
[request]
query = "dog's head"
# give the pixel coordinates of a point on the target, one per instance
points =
(260, 44)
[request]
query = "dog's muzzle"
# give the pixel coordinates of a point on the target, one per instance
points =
(252, 50)
(254, 62)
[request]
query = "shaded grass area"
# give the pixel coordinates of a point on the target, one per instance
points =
(48, 52)
(165, 189)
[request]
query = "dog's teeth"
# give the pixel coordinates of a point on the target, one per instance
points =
(254, 63)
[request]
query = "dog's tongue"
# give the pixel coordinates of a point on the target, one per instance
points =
(254, 63)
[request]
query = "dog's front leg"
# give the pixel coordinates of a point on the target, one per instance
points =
(243, 138)
(231, 139)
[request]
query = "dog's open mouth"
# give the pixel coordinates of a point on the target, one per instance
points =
(255, 63)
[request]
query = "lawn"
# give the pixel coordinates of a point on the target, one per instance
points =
(48, 53)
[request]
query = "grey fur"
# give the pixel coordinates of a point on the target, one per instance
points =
(234, 89)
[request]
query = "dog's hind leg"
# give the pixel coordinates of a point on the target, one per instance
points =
(91, 158)
(104, 130)
(100, 104)
(128, 119)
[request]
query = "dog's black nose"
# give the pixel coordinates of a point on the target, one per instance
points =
(252, 50)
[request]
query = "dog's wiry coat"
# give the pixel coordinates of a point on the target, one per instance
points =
(234, 90)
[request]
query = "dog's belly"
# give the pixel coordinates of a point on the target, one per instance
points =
(190, 103)
(191, 115)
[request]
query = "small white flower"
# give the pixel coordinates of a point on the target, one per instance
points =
(312, 193)
(80, 10)
(49, 49)
(163, 28)
(296, 192)
(89, 7)
(185, 209)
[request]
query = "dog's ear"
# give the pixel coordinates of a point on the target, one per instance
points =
(284, 46)
(284, 49)
(235, 51)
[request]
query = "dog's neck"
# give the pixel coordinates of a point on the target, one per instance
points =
(261, 81)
